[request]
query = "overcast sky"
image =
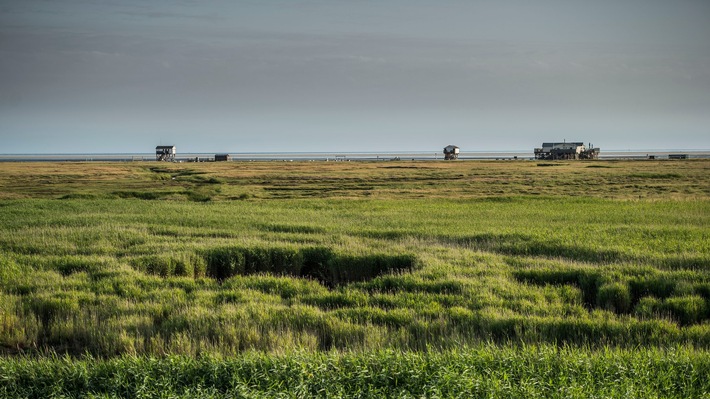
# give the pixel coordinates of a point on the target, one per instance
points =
(81, 76)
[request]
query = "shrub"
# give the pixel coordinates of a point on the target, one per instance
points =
(184, 267)
(288, 261)
(256, 259)
(199, 266)
(222, 263)
(689, 309)
(648, 307)
(587, 280)
(570, 295)
(702, 289)
(348, 268)
(67, 265)
(315, 263)
(614, 297)
(657, 286)
(319, 263)
(160, 265)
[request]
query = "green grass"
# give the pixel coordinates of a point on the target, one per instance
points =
(483, 371)
(600, 265)
(140, 276)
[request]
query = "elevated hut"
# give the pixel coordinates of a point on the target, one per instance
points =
(222, 157)
(165, 153)
(451, 152)
(565, 150)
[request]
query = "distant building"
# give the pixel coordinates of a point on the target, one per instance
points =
(165, 153)
(222, 157)
(564, 150)
(451, 152)
(677, 156)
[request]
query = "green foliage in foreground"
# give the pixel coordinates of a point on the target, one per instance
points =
(112, 277)
(485, 371)
(441, 280)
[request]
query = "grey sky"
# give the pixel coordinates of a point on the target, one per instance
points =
(357, 75)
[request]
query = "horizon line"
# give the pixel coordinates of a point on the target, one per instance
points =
(347, 152)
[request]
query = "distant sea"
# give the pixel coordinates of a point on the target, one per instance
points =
(337, 156)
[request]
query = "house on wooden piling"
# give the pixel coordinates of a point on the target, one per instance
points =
(222, 157)
(165, 153)
(451, 152)
(565, 150)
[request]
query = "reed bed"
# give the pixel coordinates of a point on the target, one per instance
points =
(571, 288)
(487, 370)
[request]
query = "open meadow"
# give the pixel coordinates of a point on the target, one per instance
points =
(359, 279)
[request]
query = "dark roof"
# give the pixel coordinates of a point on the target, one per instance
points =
(564, 142)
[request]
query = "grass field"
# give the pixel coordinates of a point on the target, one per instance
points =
(546, 278)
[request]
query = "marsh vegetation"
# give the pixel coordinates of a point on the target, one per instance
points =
(386, 267)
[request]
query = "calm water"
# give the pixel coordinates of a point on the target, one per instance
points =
(334, 156)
